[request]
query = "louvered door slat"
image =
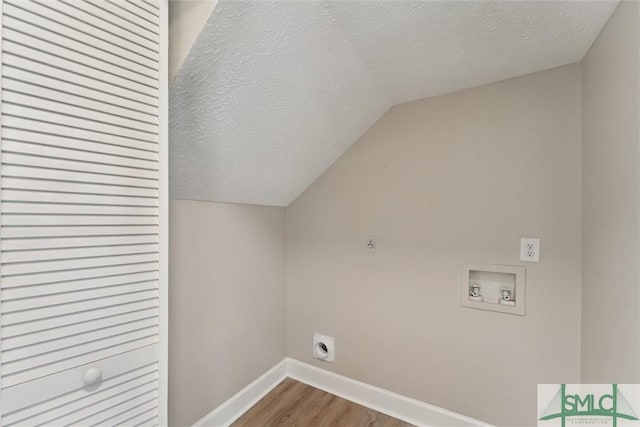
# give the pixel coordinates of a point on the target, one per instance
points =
(79, 166)
(68, 406)
(48, 290)
(17, 232)
(75, 329)
(140, 9)
(78, 274)
(72, 111)
(26, 299)
(70, 198)
(106, 399)
(78, 188)
(139, 110)
(152, 11)
(21, 359)
(42, 267)
(17, 224)
(13, 59)
(45, 40)
(77, 399)
(33, 327)
(42, 150)
(78, 341)
(91, 29)
(41, 171)
(42, 51)
(113, 111)
(36, 396)
(82, 73)
(153, 3)
(74, 209)
(82, 181)
(51, 116)
(76, 242)
(145, 418)
(23, 371)
(45, 27)
(126, 417)
(15, 122)
(72, 308)
(116, 409)
(121, 15)
(31, 256)
(32, 295)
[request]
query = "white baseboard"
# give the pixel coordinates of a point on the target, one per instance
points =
(393, 404)
(243, 400)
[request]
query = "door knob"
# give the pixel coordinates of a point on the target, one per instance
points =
(92, 377)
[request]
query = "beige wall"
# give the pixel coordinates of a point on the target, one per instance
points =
(186, 20)
(610, 201)
(440, 182)
(227, 302)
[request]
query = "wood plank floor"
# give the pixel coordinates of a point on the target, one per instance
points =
(292, 403)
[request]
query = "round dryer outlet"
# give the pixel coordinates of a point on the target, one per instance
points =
(324, 348)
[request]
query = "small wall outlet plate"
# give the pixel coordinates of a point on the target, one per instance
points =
(324, 348)
(530, 249)
(370, 244)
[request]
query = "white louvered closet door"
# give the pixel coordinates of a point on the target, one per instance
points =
(83, 256)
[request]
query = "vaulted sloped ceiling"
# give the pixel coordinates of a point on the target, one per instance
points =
(273, 92)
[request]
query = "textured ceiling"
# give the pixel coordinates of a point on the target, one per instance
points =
(272, 93)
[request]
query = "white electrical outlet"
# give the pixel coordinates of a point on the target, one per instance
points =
(530, 249)
(370, 244)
